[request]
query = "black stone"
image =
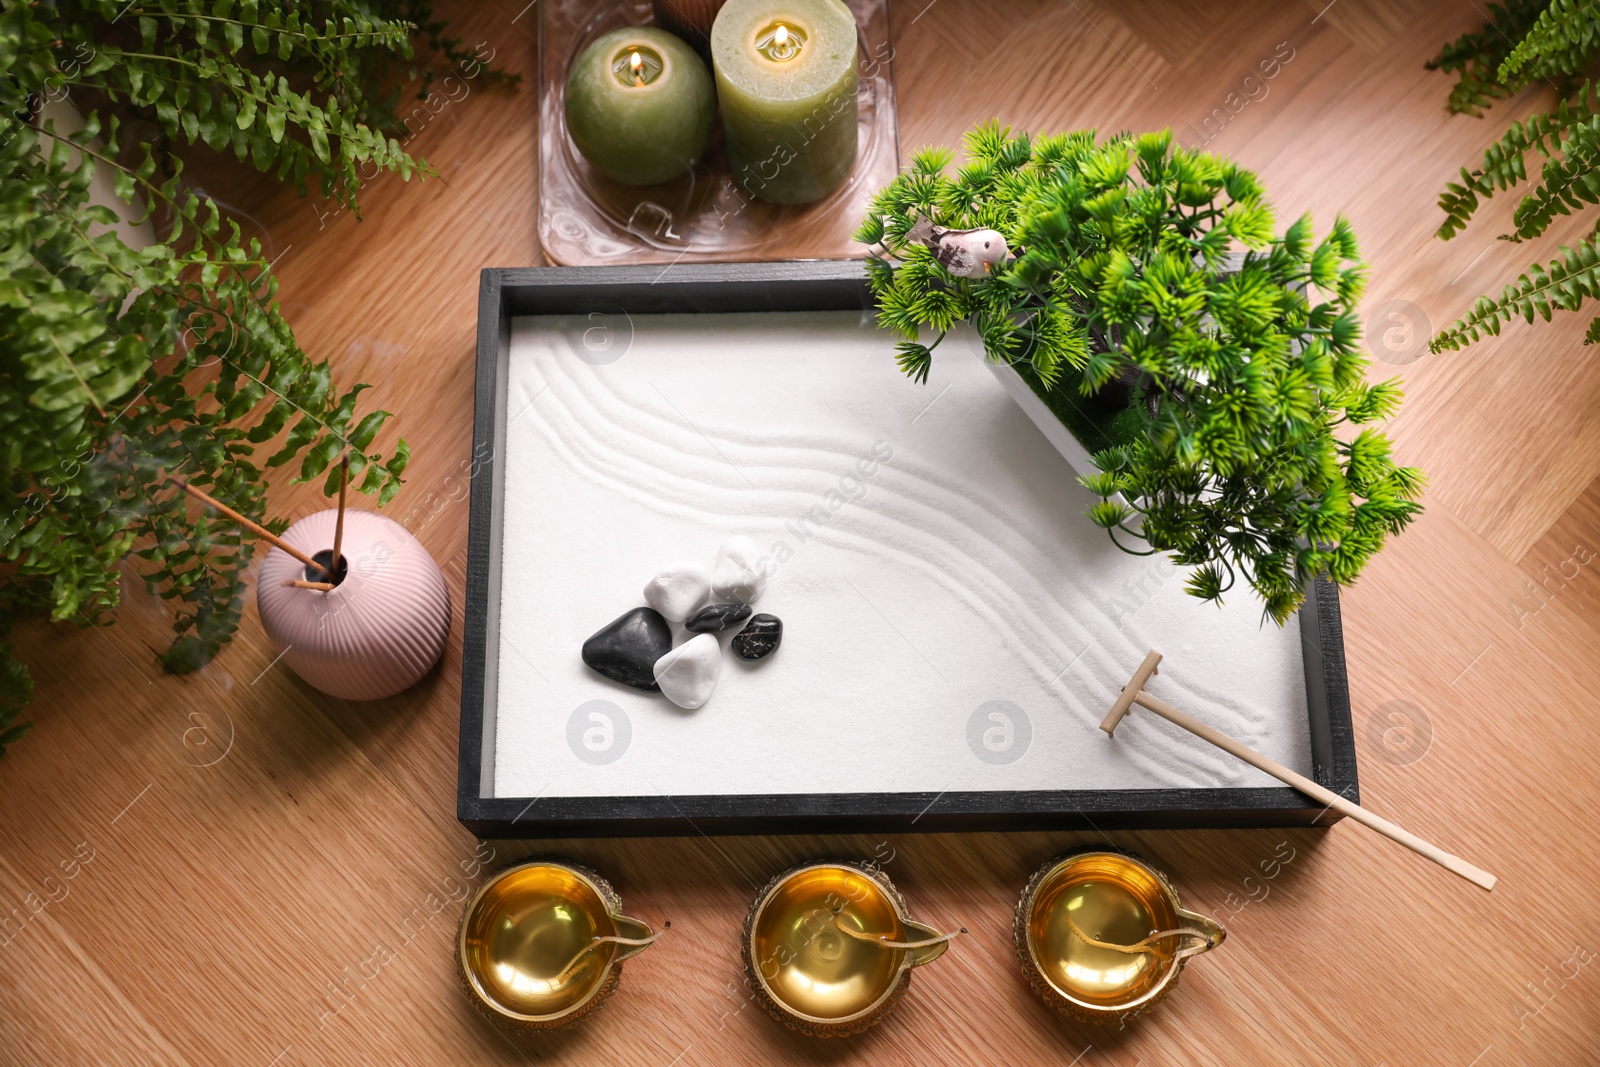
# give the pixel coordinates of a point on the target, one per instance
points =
(760, 639)
(716, 617)
(626, 651)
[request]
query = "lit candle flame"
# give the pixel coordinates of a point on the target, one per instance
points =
(635, 65)
(779, 43)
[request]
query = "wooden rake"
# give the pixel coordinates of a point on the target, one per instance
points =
(1133, 693)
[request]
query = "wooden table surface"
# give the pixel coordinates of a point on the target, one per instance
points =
(236, 869)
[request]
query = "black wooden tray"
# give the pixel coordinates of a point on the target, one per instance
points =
(800, 286)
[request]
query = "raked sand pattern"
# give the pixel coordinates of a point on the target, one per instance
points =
(951, 620)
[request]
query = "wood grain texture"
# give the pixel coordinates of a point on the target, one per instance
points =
(293, 900)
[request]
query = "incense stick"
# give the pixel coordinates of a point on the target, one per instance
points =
(298, 583)
(249, 524)
(338, 526)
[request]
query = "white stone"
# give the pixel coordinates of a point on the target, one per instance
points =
(679, 590)
(688, 674)
(736, 579)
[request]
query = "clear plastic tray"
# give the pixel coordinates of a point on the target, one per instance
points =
(704, 216)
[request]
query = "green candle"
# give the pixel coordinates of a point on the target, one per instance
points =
(786, 80)
(640, 105)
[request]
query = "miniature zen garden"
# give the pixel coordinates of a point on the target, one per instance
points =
(1155, 369)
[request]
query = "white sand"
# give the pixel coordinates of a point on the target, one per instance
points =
(946, 564)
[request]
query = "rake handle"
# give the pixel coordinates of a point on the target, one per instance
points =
(1447, 860)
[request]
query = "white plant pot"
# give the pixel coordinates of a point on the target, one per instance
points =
(1054, 431)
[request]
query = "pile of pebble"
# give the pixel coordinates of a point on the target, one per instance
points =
(637, 651)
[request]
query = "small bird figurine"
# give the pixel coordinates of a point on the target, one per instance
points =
(964, 253)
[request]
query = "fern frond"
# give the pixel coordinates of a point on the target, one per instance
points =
(1562, 40)
(1565, 185)
(1475, 57)
(1504, 165)
(1564, 285)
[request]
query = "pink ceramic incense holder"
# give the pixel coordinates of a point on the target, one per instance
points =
(379, 629)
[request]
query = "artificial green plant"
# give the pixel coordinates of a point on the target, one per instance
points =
(1154, 273)
(122, 365)
(1524, 44)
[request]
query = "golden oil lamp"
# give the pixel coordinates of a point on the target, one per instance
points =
(542, 943)
(1102, 936)
(829, 948)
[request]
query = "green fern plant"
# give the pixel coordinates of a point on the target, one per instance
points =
(1549, 42)
(1475, 57)
(1214, 363)
(120, 366)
